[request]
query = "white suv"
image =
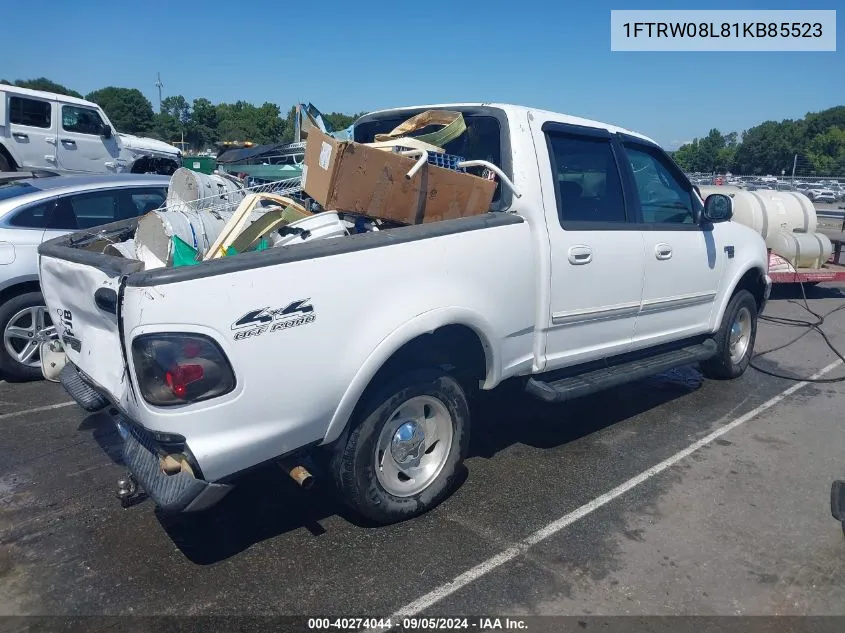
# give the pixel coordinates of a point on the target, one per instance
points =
(44, 130)
(821, 195)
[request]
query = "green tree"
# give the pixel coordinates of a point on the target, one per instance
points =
(770, 147)
(42, 83)
(820, 122)
(177, 107)
(687, 156)
(201, 130)
(127, 108)
(826, 152)
(340, 121)
(268, 122)
(166, 128)
(712, 153)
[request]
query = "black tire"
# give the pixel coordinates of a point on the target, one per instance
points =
(722, 366)
(10, 367)
(5, 165)
(354, 460)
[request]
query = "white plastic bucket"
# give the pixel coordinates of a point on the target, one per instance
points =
(320, 226)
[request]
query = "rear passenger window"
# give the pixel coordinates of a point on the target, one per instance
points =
(589, 188)
(83, 211)
(31, 217)
(93, 209)
(31, 112)
(146, 200)
(664, 197)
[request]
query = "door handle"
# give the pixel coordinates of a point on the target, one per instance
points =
(663, 251)
(579, 255)
(69, 141)
(20, 135)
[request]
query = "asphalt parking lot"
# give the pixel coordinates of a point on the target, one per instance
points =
(669, 496)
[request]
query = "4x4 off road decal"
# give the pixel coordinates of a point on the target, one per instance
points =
(257, 322)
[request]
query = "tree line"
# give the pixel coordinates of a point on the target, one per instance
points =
(818, 140)
(769, 148)
(201, 123)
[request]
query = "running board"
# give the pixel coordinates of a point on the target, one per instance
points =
(605, 377)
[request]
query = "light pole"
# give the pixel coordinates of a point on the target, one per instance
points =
(159, 85)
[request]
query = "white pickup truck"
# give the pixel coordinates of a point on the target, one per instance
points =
(49, 131)
(601, 265)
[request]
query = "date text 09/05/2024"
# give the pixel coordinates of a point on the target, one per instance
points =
(417, 624)
(725, 29)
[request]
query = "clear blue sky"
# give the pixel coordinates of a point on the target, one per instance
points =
(375, 54)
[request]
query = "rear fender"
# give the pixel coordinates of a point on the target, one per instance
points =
(421, 324)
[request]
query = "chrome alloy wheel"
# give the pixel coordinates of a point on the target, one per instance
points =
(413, 446)
(25, 332)
(740, 335)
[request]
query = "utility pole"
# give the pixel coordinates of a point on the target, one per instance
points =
(794, 163)
(159, 85)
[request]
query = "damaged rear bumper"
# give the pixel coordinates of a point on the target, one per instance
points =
(165, 471)
(181, 491)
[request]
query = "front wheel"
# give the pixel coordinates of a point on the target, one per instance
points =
(405, 448)
(25, 324)
(735, 339)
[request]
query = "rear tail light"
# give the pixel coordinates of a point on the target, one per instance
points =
(176, 369)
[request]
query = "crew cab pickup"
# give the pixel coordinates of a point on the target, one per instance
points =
(601, 264)
(54, 132)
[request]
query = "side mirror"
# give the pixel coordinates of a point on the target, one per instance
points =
(105, 132)
(718, 208)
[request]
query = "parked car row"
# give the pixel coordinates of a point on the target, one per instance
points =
(829, 191)
(33, 210)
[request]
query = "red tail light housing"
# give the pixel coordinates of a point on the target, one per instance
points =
(177, 369)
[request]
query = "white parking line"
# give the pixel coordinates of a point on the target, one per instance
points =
(471, 575)
(49, 407)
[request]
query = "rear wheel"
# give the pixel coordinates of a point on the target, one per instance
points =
(4, 163)
(735, 339)
(25, 324)
(404, 450)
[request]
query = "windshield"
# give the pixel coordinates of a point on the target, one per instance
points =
(16, 188)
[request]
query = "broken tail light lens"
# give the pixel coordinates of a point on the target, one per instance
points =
(175, 369)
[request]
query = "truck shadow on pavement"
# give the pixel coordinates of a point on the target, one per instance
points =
(266, 503)
(792, 292)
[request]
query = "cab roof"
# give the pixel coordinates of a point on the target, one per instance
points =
(47, 96)
(520, 112)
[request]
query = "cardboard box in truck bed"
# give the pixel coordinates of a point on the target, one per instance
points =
(348, 176)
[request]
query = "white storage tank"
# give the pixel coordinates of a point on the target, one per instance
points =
(802, 250)
(768, 211)
(785, 219)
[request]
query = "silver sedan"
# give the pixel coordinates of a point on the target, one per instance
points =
(33, 210)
